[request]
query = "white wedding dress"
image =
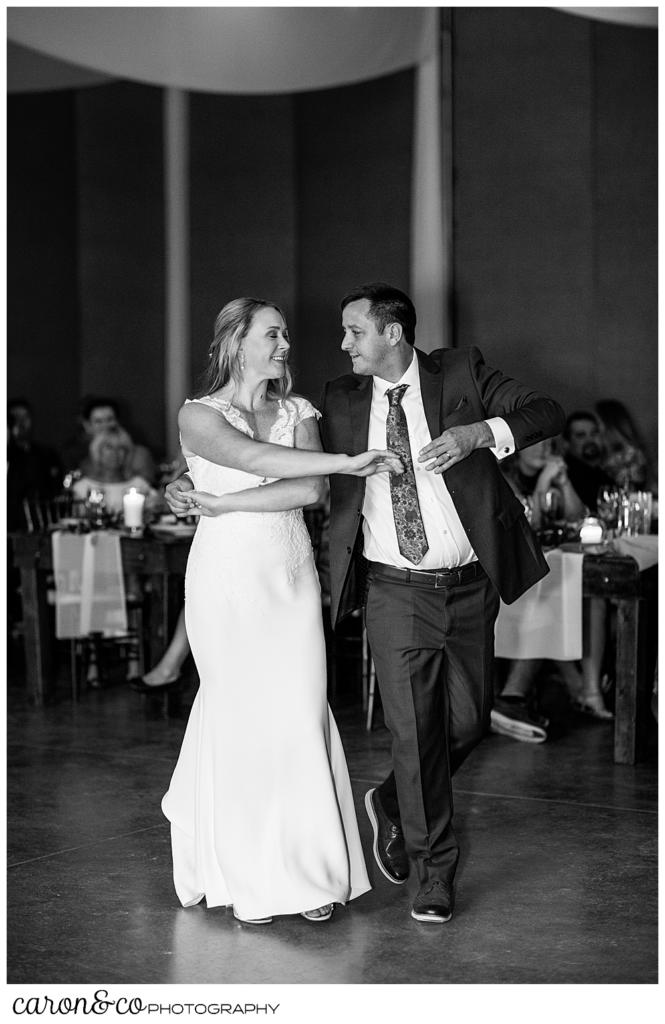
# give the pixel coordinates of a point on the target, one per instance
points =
(260, 801)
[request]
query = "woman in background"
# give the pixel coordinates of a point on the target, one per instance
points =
(625, 455)
(539, 478)
(110, 470)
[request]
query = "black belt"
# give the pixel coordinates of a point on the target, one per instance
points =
(437, 579)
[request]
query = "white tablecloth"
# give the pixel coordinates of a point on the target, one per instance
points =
(643, 548)
(546, 622)
(89, 584)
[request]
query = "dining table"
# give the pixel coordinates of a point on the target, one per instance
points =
(546, 622)
(159, 560)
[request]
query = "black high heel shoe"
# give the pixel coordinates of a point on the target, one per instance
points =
(137, 683)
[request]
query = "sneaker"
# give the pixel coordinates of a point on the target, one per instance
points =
(513, 718)
(434, 902)
(388, 847)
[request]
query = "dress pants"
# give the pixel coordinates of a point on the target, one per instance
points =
(433, 652)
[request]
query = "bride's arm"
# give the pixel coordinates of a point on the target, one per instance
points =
(278, 496)
(208, 433)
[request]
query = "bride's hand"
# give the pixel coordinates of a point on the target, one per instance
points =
(371, 462)
(203, 504)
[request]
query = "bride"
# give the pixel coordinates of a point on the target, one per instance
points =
(260, 802)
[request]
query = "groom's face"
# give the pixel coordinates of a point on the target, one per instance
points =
(367, 347)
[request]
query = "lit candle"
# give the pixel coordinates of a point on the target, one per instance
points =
(132, 508)
(591, 531)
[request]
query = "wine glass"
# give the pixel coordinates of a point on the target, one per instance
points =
(608, 504)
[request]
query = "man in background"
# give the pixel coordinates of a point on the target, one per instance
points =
(584, 456)
(34, 471)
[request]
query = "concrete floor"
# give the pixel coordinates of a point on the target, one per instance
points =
(557, 881)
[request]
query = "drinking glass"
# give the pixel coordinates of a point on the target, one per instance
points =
(96, 508)
(636, 513)
(550, 507)
(644, 510)
(608, 503)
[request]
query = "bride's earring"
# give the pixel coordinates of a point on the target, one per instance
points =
(242, 359)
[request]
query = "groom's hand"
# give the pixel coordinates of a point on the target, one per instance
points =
(174, 495)
(454, 445)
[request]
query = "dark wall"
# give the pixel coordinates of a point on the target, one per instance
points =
(43, 359)
(626, 217)
(242, 208)
(353, 166)
(292, 198)
(121, 251)
(555, 250)
(298, 198)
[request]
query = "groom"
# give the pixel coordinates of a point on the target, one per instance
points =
(428, 554)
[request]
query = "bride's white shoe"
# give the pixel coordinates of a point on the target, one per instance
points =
(320, 914)
(252, 920)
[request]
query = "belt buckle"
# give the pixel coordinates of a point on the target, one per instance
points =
(440, 576)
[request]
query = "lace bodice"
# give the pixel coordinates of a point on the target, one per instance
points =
(285, 531)
(291, 411)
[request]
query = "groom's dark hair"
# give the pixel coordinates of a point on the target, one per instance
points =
(388, 305)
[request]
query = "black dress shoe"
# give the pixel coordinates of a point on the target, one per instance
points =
(137, 683)
(434, 902)
(388, 848)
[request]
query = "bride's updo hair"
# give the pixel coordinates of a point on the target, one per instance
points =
(232, 324)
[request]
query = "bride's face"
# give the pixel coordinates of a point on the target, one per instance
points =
(265, 347)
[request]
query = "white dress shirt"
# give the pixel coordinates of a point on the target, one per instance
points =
(449, 545)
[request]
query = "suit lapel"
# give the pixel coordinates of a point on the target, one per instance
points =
(432, 392)
(360, 402)
(431, 389)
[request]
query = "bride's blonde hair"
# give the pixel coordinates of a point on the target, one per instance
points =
(231, 327)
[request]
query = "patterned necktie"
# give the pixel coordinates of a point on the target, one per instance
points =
(406, 510)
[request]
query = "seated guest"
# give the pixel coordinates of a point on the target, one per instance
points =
(625, 455)
(532, 473)
(585, 453)
(101, 415)
(110, 461)
(539, 476)
(34, 471)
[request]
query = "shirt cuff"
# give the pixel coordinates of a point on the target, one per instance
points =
(504, 442)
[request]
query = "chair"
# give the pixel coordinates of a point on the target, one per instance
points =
(96, 658)
(102, 623)
(44, 514)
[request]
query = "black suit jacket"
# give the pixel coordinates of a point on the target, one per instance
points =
(457, 388)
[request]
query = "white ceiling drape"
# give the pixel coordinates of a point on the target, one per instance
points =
(638, 17)
(229, 49)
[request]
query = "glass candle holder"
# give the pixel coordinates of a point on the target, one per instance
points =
(591, 531)
(132, 510)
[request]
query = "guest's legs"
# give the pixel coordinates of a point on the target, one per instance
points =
(522, 675)
(585, 687)
(512, 714)
(594, 646)
(168, 667)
